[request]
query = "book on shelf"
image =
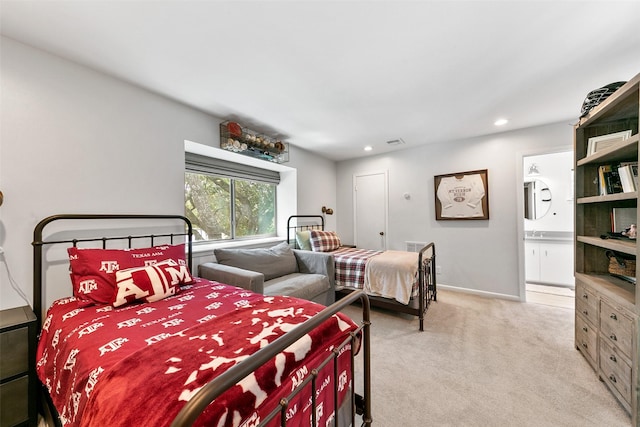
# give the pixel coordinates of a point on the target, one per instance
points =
(609, 180)
(622, 218)
(628, 172)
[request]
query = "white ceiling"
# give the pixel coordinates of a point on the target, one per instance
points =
(334, 76)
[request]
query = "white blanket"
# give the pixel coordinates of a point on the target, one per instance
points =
(391, 274)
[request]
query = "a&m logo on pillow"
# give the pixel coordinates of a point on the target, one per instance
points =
(109, 266)
(86, 286)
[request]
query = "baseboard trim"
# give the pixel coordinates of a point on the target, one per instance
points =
(485, 294)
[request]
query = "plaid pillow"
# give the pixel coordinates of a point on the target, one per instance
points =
(324, 241)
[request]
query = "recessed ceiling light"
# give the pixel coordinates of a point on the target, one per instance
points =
(368, 148)
(501, 122)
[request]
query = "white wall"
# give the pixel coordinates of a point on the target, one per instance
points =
(316, 184)
(74, 140)
(477, 255)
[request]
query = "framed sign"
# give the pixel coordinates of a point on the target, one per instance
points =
(462, 195)
(599, 143)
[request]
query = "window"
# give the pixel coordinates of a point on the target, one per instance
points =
(226, 200)
(254, 208)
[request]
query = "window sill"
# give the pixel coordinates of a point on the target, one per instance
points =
(205, 248)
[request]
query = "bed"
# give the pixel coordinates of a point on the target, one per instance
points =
(400, 281)
(174, 349)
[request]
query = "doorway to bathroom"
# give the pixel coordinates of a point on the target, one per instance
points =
(548, 228)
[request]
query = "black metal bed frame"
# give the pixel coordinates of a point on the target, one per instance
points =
(427, 289)
(197, 404)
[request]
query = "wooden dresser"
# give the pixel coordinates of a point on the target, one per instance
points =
(606, 335)
(18, 382)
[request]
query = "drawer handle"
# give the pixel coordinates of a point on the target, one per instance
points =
(584, 344)
(613, 316)
(585, 312)
(613, 378)
(613, 358)
(585, 296)
(584, 328)
(613, 337)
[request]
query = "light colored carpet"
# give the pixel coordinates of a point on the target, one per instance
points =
(484, 362)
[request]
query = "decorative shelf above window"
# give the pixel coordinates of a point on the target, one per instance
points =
(241, 140)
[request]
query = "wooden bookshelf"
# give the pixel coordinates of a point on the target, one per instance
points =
(607, 307)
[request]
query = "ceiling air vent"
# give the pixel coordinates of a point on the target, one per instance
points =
(398, 141)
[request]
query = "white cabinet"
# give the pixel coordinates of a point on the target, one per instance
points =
(549, 262)
(532, 261)
(556, 263)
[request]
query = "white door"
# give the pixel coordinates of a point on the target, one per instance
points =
(370, 210)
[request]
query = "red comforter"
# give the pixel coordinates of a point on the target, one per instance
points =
(139, 364)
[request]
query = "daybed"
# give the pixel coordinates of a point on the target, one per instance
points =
(396, 280)
(278, 270)
(175, 349)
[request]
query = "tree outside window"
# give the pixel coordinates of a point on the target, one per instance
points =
(223, 208)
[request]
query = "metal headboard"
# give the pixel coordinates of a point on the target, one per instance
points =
(291, 229)
(38, 243)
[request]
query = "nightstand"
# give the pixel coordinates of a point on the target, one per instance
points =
(18, 380)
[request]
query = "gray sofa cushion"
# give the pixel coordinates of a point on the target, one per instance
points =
(273, 262)
(300, 285)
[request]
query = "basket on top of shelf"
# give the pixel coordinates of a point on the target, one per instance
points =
(622, 265)
(241, 140)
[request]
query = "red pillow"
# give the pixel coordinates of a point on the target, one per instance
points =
(151, 283)
(93, 271)
(324, 241)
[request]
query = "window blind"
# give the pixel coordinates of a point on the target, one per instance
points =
(212, 166)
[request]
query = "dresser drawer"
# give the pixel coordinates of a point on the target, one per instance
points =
(617, 327)
(14, 348)
(587, 306)
(586, 340)
(615, 370)
(586, 297)
(14, 406)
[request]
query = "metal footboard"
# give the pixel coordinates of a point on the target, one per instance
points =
(426, 279)
(194, 407)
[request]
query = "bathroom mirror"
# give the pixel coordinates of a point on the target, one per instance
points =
(537, 199)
